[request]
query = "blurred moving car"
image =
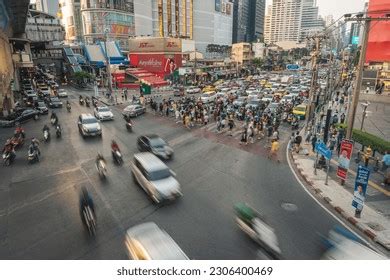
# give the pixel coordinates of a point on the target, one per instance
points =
(133, 110)
(348, 249)
(208, 97)
(62, 93)
(89, 126)
(26, 115)
(54, 102)
(156, 145)
(148, 242)
(103, 113)
(155, 177)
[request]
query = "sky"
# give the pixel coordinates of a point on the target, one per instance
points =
(337, 8)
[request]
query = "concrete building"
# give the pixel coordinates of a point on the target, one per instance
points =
(70, 16)
(242, 53)
(267, 25)
(108, 18)
(259, 50)
(42, 27)
(50, 7)
(212, 23)
(311, 23)
(286, 20)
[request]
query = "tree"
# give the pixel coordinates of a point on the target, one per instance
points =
(81, 76)
(258, 62)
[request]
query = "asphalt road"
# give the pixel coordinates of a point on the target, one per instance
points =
(39, 215)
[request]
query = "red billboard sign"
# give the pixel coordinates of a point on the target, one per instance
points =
(346, 149)
(159, 64)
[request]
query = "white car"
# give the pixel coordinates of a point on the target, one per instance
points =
(267, 98)
(149, 242)
(103, 113)
(287, 99)
(62, 93)
(193, 90)
(208, 97)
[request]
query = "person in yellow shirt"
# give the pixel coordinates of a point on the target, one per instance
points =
(274, 150)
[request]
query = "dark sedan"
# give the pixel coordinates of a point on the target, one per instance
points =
(156, 145)
(26, 115)
(41, 107)
(54, 102)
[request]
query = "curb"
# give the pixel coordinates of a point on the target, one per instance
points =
(361, 227)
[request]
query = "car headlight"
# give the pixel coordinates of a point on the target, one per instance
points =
(85, 129)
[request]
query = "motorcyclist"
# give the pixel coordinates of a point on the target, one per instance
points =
(19, 131)
(68, 104)
(54, 116)
(99, 158)
(8, 147)
(34, 146)
(45, 127)
(58, 128)
(114, 146)
(86, 201)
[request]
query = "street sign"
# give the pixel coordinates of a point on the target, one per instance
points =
(323, 150)
(361, 182)
(292, 67)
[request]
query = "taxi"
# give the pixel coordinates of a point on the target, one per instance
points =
(208, 89)
(300, 111)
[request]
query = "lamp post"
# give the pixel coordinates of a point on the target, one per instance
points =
(108, 66)
(364, 105)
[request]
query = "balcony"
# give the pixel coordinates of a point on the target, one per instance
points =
(22, 59)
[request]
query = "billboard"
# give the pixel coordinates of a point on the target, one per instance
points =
(355, 40)
(346, 149)
(148, 45)
(378, 48)
(159, 64)
(361, 182)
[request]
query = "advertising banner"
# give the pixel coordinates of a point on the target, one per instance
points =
(346, 149)
(148, 45)
(361, 182)
(159, 64)
(119, 29)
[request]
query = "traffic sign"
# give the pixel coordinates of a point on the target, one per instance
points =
(292, 67)
(323, 150)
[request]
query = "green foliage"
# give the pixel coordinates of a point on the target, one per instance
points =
(258, 62)
(367, 139)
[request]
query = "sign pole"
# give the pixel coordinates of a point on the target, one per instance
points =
(327, 173)
(315, 165)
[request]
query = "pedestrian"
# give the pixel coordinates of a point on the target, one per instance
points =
(313, 142)
(269, 132)
(291, 142)
(342, 118)
(123, 96)
(177, 115)
(219, 124)
(161, 107)
(125, 93)
(244, 136)
(206, 119)
(274, 150)
(332, 143)
(297, 142)
(250, 134)
(231, 125)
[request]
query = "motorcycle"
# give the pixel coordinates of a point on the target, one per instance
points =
(68, 107)
(95, 103)
(53, 121)
(17, 141)
(129, 126)
(284, 117)
(87, 103)
(89, 220)
(101, 168)
(255, 226)
(81, 101)
(58, 131)
(32, 156)
(46, 135)
(8, 158)
(117, 156)
(294, 125)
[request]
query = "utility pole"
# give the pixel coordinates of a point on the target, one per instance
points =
(108, 66)
(359, 75)
(313, 87)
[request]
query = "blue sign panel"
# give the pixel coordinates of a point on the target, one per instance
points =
(323, 150)
(292, 67)
(355, 40)
(361, 182)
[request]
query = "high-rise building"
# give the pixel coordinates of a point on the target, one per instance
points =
(248, 20)
(47, 6)
(311, 23)
(354, 36)
(113, 19)
(267, 25)
(329, 20)
(286, 20)
(212, 23)
(70, 15)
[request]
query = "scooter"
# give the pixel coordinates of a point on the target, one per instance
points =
(129, 126)
(17, 141)
(46, 135)
(32, 156)
(58, 131)
(101, 168)
(81, 101)
(87, 102)
(68, 107)
(8, 158)
(255, 226)
(95, 103)
(117, 156)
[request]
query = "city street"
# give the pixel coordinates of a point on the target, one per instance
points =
(39, 203)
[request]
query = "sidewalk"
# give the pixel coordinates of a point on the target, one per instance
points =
(375, 217)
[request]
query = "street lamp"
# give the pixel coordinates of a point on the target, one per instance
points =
(108, 66)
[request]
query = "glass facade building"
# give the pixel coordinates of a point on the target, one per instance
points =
(114, 18)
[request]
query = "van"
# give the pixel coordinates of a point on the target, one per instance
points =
(155, 177)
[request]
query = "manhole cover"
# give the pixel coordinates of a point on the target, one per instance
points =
(289, 206)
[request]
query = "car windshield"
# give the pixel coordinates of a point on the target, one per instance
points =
(300, 109)
(41, 104)
(104, 109)
(159, 174)
(89, 120)
(206, 95)
(157, 142)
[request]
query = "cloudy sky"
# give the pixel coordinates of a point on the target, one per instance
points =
(337, 7)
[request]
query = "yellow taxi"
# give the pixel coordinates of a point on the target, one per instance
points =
(300, 111)
(268, 85)
(208, 88)
(263, 82)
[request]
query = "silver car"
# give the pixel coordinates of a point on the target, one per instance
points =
(103, 113)
(133, 110)
(155, 177)
(148, 242)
